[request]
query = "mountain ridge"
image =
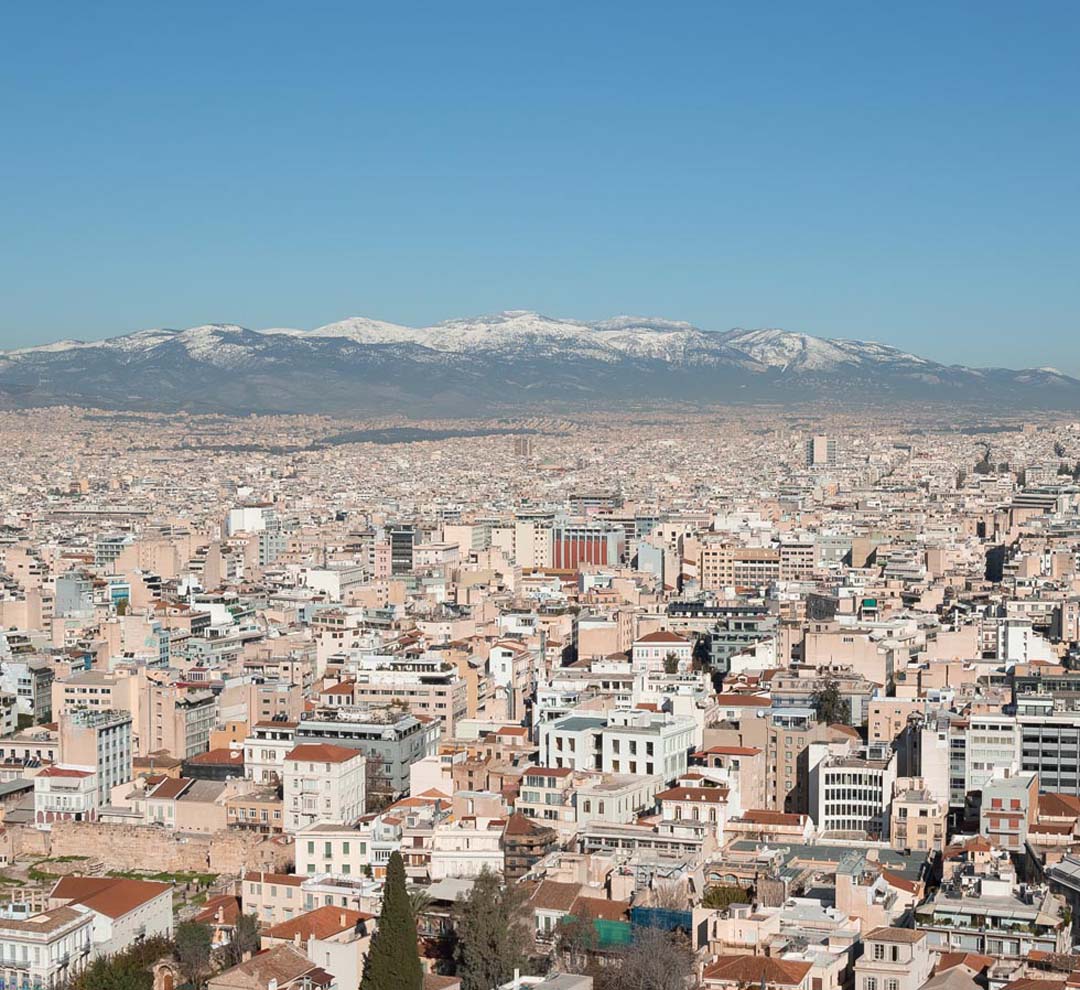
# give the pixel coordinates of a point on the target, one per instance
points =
(491, 362)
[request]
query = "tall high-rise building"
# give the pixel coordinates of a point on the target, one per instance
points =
(821, 450)
(402, 539)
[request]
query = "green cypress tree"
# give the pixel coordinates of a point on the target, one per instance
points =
(393, 962)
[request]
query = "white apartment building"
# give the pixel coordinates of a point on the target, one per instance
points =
(265, 751)
(624, 742)
(65, 794)
(44, 950)
(993, 741)
(331, 848)
(853, 793)
(323, 783)
(650, 743)
(464, 847)
(649, 653)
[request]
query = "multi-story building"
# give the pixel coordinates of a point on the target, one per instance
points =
(391, 739)
(525, 843)
(993, 745)
(1049, 743)
(894, 959)
(1008, 807)
(95, 690)
(101, 742)
(795, 688)
(546, 796)
(853, 793)
(65, 794)
(30, 680)
(465, 847)
(421, 684)
(651, 652)
(917, 819)
(822, 451)
(725, 566)
(624, 742)
(265, 750)
(322, 783)
(992, 916)
(788, 735)
(45, 950)
(177, 720)
(575, 542)
(642, 742)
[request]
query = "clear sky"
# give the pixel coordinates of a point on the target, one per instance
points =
(899, 172)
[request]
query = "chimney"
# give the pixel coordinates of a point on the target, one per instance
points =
(344, 922)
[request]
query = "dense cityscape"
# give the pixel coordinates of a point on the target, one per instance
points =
(754, 697)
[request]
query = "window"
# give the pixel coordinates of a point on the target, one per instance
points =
(870, 983)
(879, 951)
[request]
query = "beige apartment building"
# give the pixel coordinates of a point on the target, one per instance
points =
(177, 720)
(97, 690)
(100, 741)
(430, 692)
(917, 822)
(724, 566)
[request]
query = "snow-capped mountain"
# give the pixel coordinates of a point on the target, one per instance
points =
(499, 361)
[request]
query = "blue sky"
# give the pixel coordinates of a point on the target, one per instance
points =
(900, 172)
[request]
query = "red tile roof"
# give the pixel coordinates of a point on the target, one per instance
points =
(757, 970)
(321, 753)
(321, 923)
(110, 896)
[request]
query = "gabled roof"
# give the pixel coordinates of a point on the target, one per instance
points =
(701, 795)
(904, 936)
(757, 970)
(282, 963)
(323, 922)
(113, 897)
(216, 757)
(321, 753)
(171, 787)
(227, 904)
(1056, 805)
(663, 636)
(552, 895)
(600, 908)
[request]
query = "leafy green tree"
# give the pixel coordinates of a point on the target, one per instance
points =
(127, 970)
(830, 705)
(194, 942)
(493, 933)
(671, 664)
(245, 939)
(393, 962)
(721, 896)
